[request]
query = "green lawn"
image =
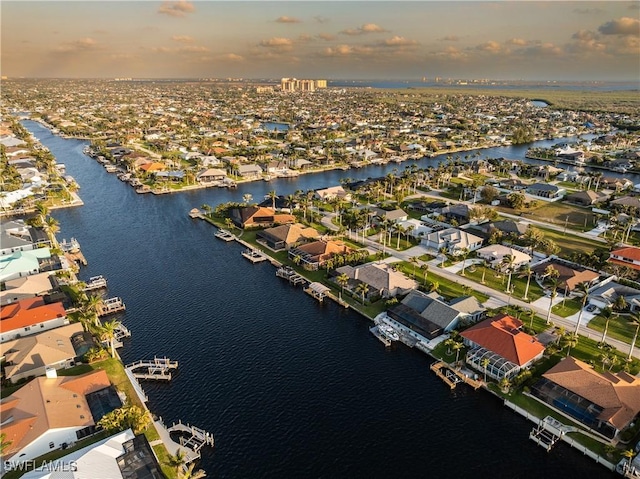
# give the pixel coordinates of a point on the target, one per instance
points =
(499, 282)
(568, 242)
(619, 328)
(567, 308)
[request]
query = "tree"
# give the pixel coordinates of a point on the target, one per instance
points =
(554, 293)
(525, 270)
(229, 223)
(362, 289)
(489, 193)
(272, 196)
(425, 267)
(247, 198)
(124, 418)
(635, 322)
(443, 251)
(4, 444)
(584, 289)
(52, 227)
(508, 261)
(628, 454)
(505, 384)
(108, 333)
(570, 341)
(177, 460)
(342, 280)
(414, 261)
(532, 314)
(485, 363)
(516, 200)
(464, 252)
(457, 346)
(189, 473)
(607, 314)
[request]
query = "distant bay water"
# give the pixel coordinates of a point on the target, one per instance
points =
(289, 387)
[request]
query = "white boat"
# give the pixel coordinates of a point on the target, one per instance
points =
(388, 332)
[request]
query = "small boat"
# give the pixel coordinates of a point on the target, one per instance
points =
(254, 255)
(389, 332)
(224, 235)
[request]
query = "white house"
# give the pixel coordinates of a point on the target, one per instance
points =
(495, 253)
(453, 240)
(30, 316)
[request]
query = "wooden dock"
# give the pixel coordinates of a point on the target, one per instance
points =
(451, 376)
(224, 235)
(192, 439)
(95, 282)
(383, 339)
(110, 306)
(158, 368)
(254, 255)
(288, 273)
(317, 290)
(76, 257)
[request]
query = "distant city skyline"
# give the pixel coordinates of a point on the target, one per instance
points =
(515, 40)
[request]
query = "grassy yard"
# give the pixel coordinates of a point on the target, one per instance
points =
(619, 328)
(499, 282)
(567, 308)
(569, 243)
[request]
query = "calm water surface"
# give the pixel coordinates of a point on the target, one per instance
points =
(290, 388)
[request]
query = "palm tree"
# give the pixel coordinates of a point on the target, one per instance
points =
(52, 227)
(584, 289)
(108, 333)
(532, 315)
(629, 454)
(485, 362)
(272, 196)
(525, 270)
(508, 260)
(189, 473)
(362, 289)
(425, 268)
(504, 384)
(342, 280)
(570, 340)
(554, 293)
(229, 223)
(464, 252)
(4, 444)
(247, 198)
(635, 322)
(607, 314)
(457, 346)
(414, 261)
(435, 287)
(177, 460)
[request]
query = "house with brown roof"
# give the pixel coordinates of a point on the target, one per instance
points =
(569, 276)
(382, 279)
(285, 237)
(314, 255)
(31, 355)
(628, 256)
(30, 316)
(605, 402)
(53, 412)
(259, 216)
(501, 340)
(587, 197)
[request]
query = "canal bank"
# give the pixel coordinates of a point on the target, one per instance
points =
(290, 387)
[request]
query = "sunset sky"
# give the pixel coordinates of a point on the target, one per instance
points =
(332, 39)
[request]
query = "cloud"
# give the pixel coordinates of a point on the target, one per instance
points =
(277, 43)
(232, 57)
(177, 8)
(182, 38)
(304, 38)
(364, 29)
(542, 49)
(326, 37)
(285, 19)
(77, 46)
(490, 47)
(193, 49)
(448, 54)
(320, 19)
(346, 51)
(588, 11)
(584, 35)
(517, 41)
(450, 38)
(622, 26)
(397, 41)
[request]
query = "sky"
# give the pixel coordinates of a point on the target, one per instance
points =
(501, 40)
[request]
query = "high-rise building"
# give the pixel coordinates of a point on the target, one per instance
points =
(293, 84)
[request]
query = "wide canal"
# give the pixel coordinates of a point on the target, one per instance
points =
(289, 387)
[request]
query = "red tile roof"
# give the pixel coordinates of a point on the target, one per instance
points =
(630, 253)
(502, 336)
(28, 312)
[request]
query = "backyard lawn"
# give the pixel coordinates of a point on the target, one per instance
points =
(619, 328)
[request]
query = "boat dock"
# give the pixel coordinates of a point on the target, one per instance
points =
(452, 377)
(290, 275)
(111, 306)
(254, 255)
(224, 235)
(191, 438)
(95, 282)
(548, 432)
(71, 246)
(121, 332)
(383, 339)
(317, 290)
(158, 368)
(195, 213)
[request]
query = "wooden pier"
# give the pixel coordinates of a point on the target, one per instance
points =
(383, 339)
(254, 255)
(451, 376)
(548, 432)
(317, 290)
(192, 439)
(76, 257)
(290, 275)
(158, 368)
(195, 213)
(111, 306)
(95, 282)
(224, 235)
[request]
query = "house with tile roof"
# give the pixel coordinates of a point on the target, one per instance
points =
(605, 402)
(26, 287)
(50, 413)
(313, 255)
(453, 240)
(606, 296)
(569, 275)
(259, 216)
(495, 253)
(285, 237)
(30, 316)
(628, 256)
(15, 236)
(501, 340)
(382, 279)
(587, 197)
(332, 192)
(31, 355)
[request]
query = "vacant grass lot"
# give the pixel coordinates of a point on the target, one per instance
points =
(619, 328)
(499, 282)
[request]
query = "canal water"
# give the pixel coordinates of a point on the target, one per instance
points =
(289, 387)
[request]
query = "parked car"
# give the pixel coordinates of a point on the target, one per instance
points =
(591, 308)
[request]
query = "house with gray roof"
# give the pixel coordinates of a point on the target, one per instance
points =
(545, 190)
(382, 279)
(607, 295)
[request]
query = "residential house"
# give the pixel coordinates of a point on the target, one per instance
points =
(569, 275)
(326, 194)
(495, 254)
(626, 202)
(415, 228)
(121, 456)
(15, 236)
(30, 316)
(152, 167)
(26, 287)
(501, 341)
(211, 175)
(23, 263)
(587, 197)
(285, 237)
(628, 256)
(31, 355)
(453, 240)
(396, 215)
(258, 216)
(607, 295)
(605, 402)
(315, 254)
(51, 413)
(426, 316)
(545, 190)
(249, 172)
(509, 227)
(383, 281)
(617, 184)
